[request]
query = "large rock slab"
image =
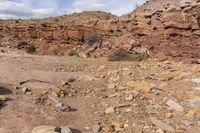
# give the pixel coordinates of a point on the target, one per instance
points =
(44, 129)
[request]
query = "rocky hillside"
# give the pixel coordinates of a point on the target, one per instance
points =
(164, 28)
(168, 28)
(53, 34)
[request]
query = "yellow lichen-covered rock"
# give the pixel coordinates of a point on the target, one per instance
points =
(3, 98)
(117, 124)
(139, 85)
(167, 76)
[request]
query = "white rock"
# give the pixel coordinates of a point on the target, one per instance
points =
(196, 80)
(59, 105)
(185, 3)
(25, 89)
(174, 105)
(66, 130)
(185, 74)
(193, 103)
(44, 129)
(96, 128)
(196, 88)
(110, 110)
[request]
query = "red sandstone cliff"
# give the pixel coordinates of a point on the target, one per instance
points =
(167, 28)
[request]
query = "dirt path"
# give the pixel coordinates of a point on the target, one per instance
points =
(19, 114)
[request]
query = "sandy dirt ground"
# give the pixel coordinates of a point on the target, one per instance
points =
(127, 97)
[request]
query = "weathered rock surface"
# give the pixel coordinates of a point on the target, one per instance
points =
(174, 105)
(131, 97)
(162, 125)
(166, 27)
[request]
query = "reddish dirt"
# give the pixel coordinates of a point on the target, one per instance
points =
(92, 91)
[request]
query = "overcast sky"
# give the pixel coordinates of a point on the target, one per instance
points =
(45, 8)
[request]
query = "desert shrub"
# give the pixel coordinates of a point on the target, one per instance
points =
(93, 38)
(56, 19)
(119, 55)
(72, 53)
(125, 55)
(110, 30)
(17, 21)
(31, 49)
(141, 56)
(107, 17)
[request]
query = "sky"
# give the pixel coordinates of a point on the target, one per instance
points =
(25, 9)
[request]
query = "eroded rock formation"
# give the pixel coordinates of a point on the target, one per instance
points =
(167, 28)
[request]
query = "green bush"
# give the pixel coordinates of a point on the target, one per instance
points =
(17, 21)
(31, 49)
(72, 53)
(56, 19)
(107, 17)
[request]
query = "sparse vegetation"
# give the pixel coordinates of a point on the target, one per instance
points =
(31, 49)
(93, 38)
(72, 53)
(107, 17)
(56, 19)
(119, 55)
(124, 55)
(17, 21)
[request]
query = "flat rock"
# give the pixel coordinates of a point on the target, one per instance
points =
(66, 130)
(110, 110)
(196, 88)
(174, 105)
(161, 125)
(44, 129)
(3, 98)
(196, 80)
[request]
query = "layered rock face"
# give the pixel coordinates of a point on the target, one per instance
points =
(59, 33)
(166, 27)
